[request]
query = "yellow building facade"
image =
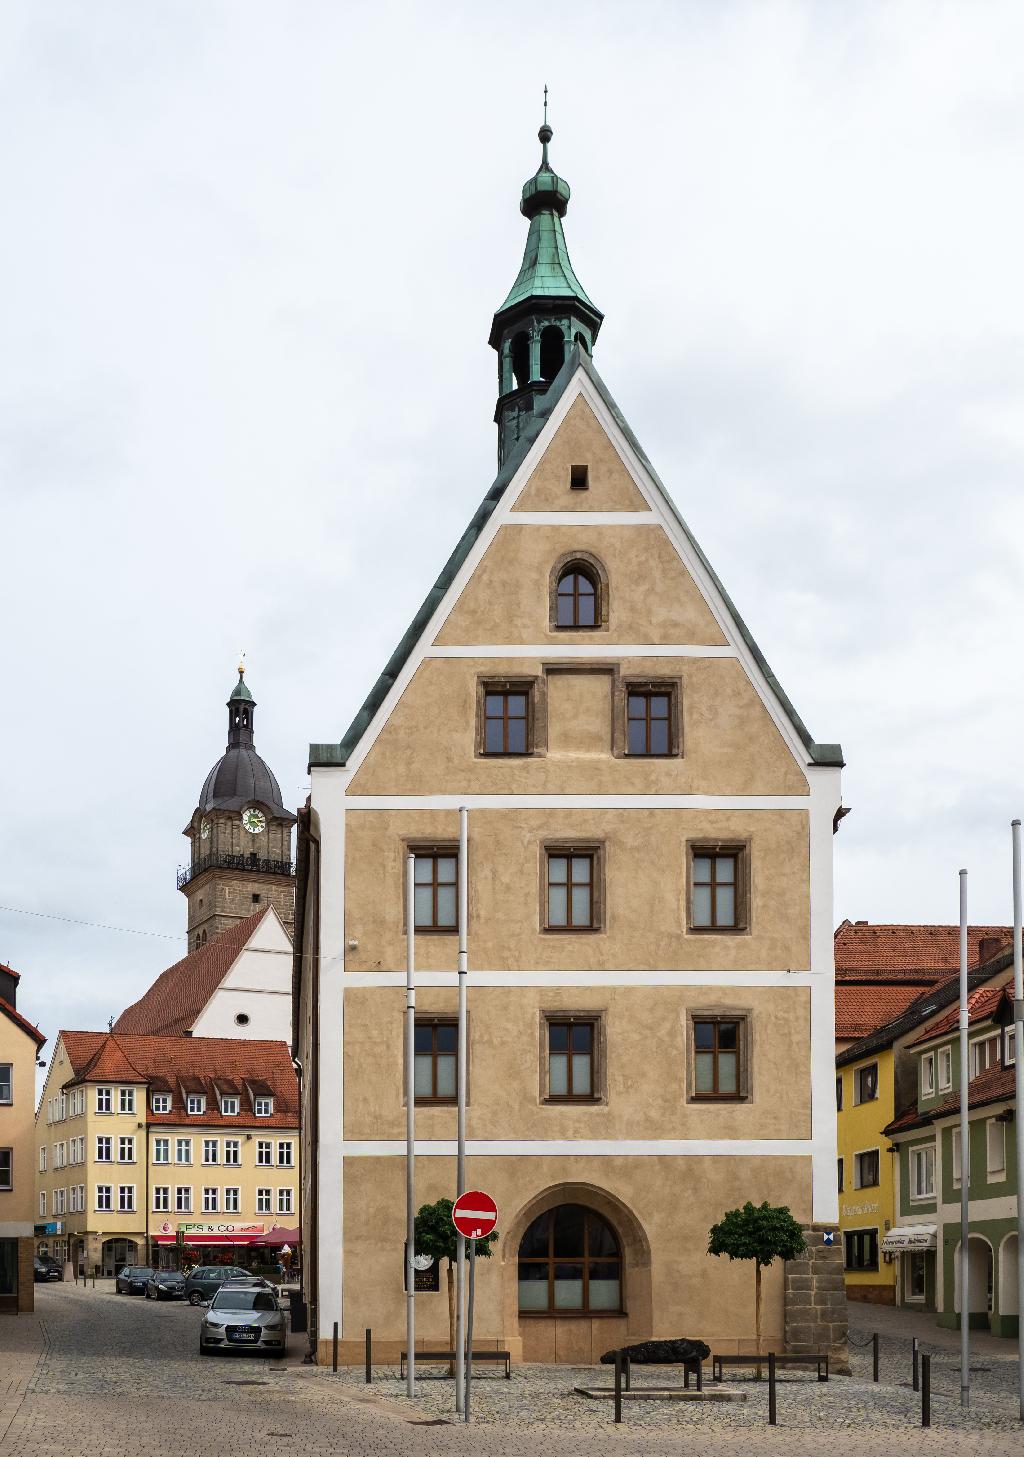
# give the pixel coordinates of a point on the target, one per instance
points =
(20, 1044)
(866, 1174)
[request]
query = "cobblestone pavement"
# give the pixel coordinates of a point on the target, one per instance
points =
(93, 1374)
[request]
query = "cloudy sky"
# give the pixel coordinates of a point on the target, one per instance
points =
(249, 261)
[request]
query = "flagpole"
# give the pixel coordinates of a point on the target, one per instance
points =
(965, 1162)
(460, 1171)
(410, 1122)
(1018, 1079)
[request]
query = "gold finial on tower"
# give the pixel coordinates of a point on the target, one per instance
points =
(241, 665)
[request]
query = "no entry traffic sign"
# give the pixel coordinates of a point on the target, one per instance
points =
(474, 1214)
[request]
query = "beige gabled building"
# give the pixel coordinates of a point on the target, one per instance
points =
(20, 1045)
(651, 990)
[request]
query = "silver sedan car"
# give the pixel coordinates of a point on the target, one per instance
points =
(240, 1317)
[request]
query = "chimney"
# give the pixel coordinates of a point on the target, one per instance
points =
(988, 947)
(8, 986)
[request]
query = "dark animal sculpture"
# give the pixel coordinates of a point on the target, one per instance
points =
(661, 1353)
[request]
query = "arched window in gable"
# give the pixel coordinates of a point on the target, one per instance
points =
(579, 593)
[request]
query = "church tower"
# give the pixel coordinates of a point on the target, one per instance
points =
(546, 312)
(241, 836)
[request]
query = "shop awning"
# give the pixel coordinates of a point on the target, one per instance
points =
(277, 1237)
(211, 1239)
(909, 1237)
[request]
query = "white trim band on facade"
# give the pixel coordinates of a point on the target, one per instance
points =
(18, 1229)
(555, 652)
(581, 518)
(712, 980)
(579, 801)
(585, 1147)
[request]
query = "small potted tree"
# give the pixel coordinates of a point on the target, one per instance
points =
(758, 1232)
(436, 1235)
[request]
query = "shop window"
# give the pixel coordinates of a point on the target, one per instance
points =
(861, 1249)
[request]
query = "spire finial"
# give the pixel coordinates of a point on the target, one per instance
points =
(241, 665)
(545, 106)
(545, 134)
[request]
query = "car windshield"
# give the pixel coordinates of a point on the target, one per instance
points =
(171, 1276)
(136, 1271)
(244, 1300)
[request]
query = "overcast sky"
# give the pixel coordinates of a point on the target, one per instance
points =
(249, 260)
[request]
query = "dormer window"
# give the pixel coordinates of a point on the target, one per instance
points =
(263, 1107)
(195, 1103)
(161, 1102)
(229, 1107)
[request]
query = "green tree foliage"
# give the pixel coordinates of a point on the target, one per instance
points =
(436, 1235)
(758, 1232)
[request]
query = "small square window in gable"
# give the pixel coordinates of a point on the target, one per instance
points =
(579, 478)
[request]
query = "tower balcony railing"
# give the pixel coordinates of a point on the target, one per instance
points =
(252, 863)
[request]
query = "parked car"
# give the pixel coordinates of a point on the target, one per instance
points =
(243, 1316)
(166, 1285)
(45, 1267)
(205, 1280)
(133, 1279)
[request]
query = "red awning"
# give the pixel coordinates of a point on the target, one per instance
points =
(275, 1238)
(211, 1239)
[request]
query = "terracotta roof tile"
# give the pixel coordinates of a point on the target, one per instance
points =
(994, 1085)
(10, 971)
(22, 1022)
(982, 1003)
(866, 951)
(862, 1009)
(180, 993)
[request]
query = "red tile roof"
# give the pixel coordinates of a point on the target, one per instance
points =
(192, 1062)
(180, 993)
(982, 1003)
(861, 1009)
(22, 1022)
(10, 971)
(865, 951)
(994, 1085)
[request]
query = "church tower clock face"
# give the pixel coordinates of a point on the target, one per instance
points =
(254, 821)
(204, 830)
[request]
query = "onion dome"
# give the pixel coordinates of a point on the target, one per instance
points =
(240, 776)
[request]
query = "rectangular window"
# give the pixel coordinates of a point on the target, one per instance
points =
(183, 1199)
(263, 1201)
(232, 1151)
(6, 1082)
(717, 1057)
(104, 1148)
(571, 1060)
(995, 1147)
(1009, 1055)
(865, 1083)
(161, 1198)
(59, 1196)
(649, 722)
(81, 1198)
(232, 1200)
(211, 1150)
(229, 1107)
(6, 1168)
(571, 898)
(195, 1104)
(42, 1204)
(717, 888)
(506, 720)
(104, 1100)
(104, 1194)
(865, 1169)
(955, 1140)
(63, 1106)
(839, 1163)
(915, 1267)
(161, 1150)
(126, 1198)
(211, 1200)
(928, 1075)
(922, 1173)
(126, 1150)
(161, 1102)
(42, 1159)
(284, 1154)
(183, 1150)
(579, 478)
(984, 1053)
(436, 1061)
(126, 1100)
(945, 1060)
(263, 1107)
(862, 1249)
(435, 890)
(839, 1095)
(264, 1151)
(284, 1201)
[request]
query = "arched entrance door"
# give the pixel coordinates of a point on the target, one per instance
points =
(117, 1252)
(979, 1281)
(1005, 1324)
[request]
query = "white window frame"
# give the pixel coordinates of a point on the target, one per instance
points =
(996, 1172)
(161, 1198)
(161, 1102)
(1009, 1045)
(230, 1105)
(264, 1200)
(263, 1107)
(857, 1076)
(42, 1158)
(104, 1141)
(232, 1199)
(183, 1198)
(195, 1104)
(162, 1146)
(42, 1203)
(104, 1192)
(287, 1145)
(261, 1145)
(6, 1083)
(104, 1100)
(122, 1191)
(922, 1153)
(211, 1143)
(973, 1049)
(179, 1143)
(856, 1167)
(233, 1146)
(126, 1100)
(211, 1199)
(956, 1158)
(126, 1141)
(944, 1068)
(928, 1075)
(286, 1201)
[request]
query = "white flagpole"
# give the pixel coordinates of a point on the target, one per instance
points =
(965, 1162)
(1018, 1048)
(410, 1122)
(460, 1174)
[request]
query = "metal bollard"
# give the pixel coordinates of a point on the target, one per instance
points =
(627, 1373)
(926, 1391)
(369, 1355)
(917, 1365)
(618, 1386)
(772, 1407)
(700, 1374)
(874, 1356)
(334, 1348)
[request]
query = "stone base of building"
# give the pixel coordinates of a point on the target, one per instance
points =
(872, 1294)
(815, 1299)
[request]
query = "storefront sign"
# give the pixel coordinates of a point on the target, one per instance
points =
(909, 1237)
(210, 1233)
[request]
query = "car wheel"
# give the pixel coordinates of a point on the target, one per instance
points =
(203, 1351)
(195, 1297)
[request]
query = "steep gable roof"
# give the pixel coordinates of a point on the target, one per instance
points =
(338, 755)
(867, 951)
(19, 1021)
(862, 1009)
(982, 1004)
(994, 1085)
(924, 1005)
(180, 993)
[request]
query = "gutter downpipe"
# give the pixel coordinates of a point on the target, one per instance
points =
(965, 1162)
(460, 1173)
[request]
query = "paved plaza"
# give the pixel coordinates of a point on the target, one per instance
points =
(94, 1373)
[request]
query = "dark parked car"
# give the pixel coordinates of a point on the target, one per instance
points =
(133, 1279)
(45, 1267)
(166, 1285)
(206, 1280)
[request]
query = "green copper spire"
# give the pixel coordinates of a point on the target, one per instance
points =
(240, 693)
(546, 311)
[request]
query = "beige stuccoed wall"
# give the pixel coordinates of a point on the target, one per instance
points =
(645, 857)
(644, 1072)
(730, 744)
(661, 1208)
(581, 441)
(652, 598)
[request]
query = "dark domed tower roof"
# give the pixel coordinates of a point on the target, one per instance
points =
(241, 776)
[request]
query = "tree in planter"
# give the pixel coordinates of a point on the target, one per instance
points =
(761, 1233)
(436, 1235)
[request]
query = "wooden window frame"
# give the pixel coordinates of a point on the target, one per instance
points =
(744, 1041)
(533, 690)
(595, 569)
(554, 1312)
(857, 1078)
(672, 688)
(595, 850)
(599, 1093)
(424, 849)
(741, 850)
(435, 1020)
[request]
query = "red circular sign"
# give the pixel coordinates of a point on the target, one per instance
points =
(474, 1214)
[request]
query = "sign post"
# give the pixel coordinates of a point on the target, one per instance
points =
(474, 1215)
(460, 1113)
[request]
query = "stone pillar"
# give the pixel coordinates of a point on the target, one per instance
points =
(815, 1300)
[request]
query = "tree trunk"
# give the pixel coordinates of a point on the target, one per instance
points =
(451, 1315)
(757, 1310)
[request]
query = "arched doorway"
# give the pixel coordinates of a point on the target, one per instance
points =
(979, 1281)
(1005, 1322)
(117, 1252)
(577, 1275)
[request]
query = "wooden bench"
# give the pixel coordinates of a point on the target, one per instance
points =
(449, 1356)
(694, 1365)
(816, 1359)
